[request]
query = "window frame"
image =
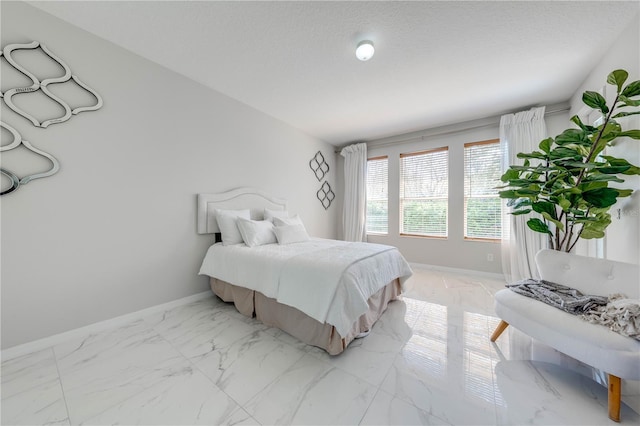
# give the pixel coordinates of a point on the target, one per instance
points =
(378, 158)
(464, 225)
(401, 198)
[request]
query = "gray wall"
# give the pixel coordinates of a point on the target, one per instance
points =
(114, 231)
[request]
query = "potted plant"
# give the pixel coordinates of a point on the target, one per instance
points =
(567, 181)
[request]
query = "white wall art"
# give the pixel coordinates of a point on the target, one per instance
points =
(15, 180)
(44, 85)
(31, 61)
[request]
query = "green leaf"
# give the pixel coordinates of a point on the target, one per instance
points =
(579, 165)
(537, 225)
(545, 207)
(534, 154)
(521, 202)
(594, 227)
(617, 78)
(510, 174)
(633, 134)
(597, 177)
(596, 101)
(632, 170)
(545, 145)
(557, 223)
(632, 89)
(524, 192)
(629, 102)
(589, 186)
(613, 170)
(510, 193)
(564, 153)
(624, 192)
(522, 183)
(590, 234)
(611, 131)
(565, 204)
(573, 136)
(519, 212)
(601, 197)
(626, 114)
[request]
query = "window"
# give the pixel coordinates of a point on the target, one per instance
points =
(482, 211)
(377, 204)
(424, 188)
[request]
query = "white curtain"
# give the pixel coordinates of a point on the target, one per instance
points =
(520, 132)
(354, 214)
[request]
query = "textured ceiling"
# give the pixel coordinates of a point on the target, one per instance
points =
(436, 63)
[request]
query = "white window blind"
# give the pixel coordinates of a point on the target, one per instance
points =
(482, 212)
(377, 197)
(424, 191)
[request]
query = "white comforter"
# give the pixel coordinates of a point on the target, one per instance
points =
(328, 280)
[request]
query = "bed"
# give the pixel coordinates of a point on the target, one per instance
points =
(324, 292)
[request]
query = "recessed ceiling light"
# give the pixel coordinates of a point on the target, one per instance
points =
(365, 50)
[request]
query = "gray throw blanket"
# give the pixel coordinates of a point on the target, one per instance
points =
(562, 297)
(621, 315)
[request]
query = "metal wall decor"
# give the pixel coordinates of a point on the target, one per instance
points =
(43, 86)
(17, 181)
(319, 166)
(325, 195)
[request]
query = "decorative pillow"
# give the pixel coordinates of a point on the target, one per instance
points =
(270, 214)
(281, 221)
(228, 226)
(287, 234)
(256, 232)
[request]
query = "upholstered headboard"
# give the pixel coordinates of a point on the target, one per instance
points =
(236, 199)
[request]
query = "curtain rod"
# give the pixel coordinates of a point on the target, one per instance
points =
(452, 131)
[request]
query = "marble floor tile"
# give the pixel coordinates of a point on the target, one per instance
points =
(28, 371)
(427, 375)
(31, 390)
(249, 365)
(399, 319)
(312, 392)
(109, 367)
(42, 405)
(369, 358)
(546, 394)
(386, 409)
(183, 397)
(199, 328)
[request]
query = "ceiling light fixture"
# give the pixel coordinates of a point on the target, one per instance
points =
(365, 50)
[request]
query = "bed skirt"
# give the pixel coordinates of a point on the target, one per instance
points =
(298, 324)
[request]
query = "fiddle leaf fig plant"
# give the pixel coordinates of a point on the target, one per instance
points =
(565, 183)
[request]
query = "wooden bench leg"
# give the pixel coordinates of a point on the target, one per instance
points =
(615, 392)
(499, 329)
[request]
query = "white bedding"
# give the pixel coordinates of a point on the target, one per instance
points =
(328, 280)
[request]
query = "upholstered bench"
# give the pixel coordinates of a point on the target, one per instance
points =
(592, 344)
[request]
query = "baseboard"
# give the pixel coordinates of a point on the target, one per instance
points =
(97, 327)
(457, 270)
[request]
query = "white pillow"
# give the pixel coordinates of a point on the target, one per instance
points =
(256, 232)
(228, 226)
(281, 221)
(287, 234)
(270, 214)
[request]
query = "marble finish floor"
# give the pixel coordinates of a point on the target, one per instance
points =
(427, 361)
